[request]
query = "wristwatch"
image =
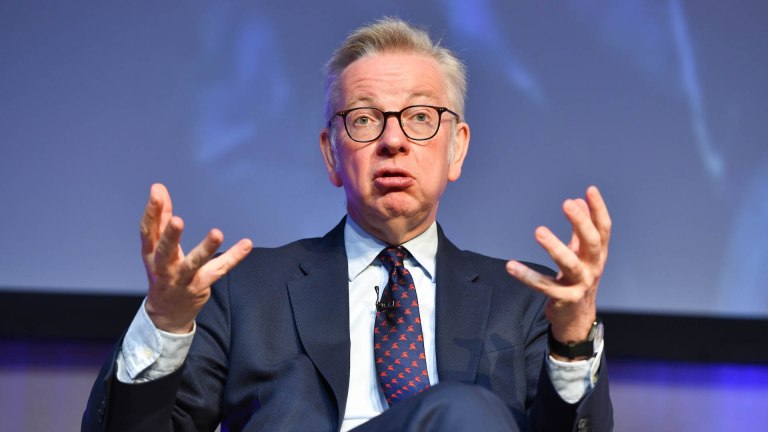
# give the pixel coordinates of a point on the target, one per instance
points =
(585, 348)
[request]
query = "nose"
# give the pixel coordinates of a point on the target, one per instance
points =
(393, 140)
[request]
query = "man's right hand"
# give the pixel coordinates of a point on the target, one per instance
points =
(179, 284)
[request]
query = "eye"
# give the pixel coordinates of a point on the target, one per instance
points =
(361, 118)
(421, 115)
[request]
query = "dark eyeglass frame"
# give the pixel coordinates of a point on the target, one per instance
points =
(397, 115)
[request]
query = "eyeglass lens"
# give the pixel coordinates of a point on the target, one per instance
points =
(417, 122)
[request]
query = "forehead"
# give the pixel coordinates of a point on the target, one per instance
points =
(393, 79)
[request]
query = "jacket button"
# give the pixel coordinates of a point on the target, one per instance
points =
(101, 410)
(584, 425)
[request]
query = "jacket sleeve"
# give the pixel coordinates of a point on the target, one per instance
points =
(547, 410)
(188, 399)
(594, 412)
(115, 406)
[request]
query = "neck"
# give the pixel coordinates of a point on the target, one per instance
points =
(394, 231)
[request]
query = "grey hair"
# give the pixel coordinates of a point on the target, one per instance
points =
(391, 35)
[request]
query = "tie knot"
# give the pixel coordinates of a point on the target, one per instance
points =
(393, 257)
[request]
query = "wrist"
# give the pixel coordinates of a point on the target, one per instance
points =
(580, 349)
(166, 324)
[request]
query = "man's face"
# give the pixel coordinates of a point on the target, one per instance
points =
(393, 184)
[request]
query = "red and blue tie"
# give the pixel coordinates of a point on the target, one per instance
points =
(398, 342)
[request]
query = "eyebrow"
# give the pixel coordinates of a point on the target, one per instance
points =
(414, 95)
(422, 94)
(365, 99)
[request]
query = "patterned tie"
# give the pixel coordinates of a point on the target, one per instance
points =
(398, 343)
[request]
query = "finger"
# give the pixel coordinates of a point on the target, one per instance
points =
(150, 221)
(584, 208)
(600, 216)
(167, 208)
(219, 266)
(584, 228)
(168, 247)
(567, 261)
(200, 255)
(542, 283)
(573, 245)
(582, 205)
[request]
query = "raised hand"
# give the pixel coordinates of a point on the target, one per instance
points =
(179, 284)
(571, 306)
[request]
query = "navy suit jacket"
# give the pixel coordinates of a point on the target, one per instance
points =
(271, 351)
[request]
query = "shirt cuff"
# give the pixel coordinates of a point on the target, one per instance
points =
(573, 380)
(149, 353)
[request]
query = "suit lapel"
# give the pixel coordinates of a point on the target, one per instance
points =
(462, 307)
(320, 301)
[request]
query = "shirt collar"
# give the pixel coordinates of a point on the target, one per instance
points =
(362, 248)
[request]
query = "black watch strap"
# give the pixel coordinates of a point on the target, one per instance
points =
(572, 350)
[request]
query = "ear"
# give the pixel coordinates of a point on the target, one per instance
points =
(461, 145)
(329, 156)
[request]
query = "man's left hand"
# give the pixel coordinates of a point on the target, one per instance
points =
(571, 308)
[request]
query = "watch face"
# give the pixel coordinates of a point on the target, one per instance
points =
(598, 337)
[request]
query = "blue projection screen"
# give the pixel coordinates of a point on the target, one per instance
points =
(660, 103)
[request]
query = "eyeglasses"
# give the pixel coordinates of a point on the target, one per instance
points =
(418, 122)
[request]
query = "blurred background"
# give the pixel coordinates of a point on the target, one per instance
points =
(656, 102)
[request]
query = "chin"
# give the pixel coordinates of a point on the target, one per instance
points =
(397, 203)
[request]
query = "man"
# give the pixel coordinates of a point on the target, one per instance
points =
(382, 324)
